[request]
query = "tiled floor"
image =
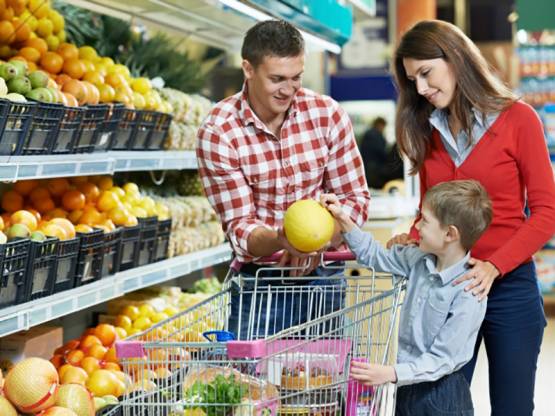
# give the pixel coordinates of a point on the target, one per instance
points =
(545, 398)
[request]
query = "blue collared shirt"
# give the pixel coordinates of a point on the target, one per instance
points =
(458, 147)
(439, 322)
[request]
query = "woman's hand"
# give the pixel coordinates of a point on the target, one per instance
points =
(402, 239)
(373, 374)
(483, 274)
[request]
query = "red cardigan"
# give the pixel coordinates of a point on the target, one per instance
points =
(512, 162)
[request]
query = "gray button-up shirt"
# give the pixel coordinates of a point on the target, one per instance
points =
(439, 322)
(458, 147)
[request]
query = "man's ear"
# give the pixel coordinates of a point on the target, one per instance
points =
(453, 234)
(248, 69)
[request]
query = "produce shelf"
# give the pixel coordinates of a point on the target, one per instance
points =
(13, 168)
(27, 315)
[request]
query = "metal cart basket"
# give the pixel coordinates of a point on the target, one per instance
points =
(285, 350)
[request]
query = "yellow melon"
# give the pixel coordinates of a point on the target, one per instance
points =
(308, 226)
(31, 385)
(57, 411)
(6, 408)
(77, 398)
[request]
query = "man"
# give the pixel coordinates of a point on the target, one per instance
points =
(374, 153)
(270, 145)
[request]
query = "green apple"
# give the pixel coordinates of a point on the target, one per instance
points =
(7, 71)
(18, 231)
(38, 79)
(20, 67)
(38, 236)
(20, 85)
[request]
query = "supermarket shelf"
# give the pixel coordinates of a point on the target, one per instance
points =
(13, 168)
(23, 317)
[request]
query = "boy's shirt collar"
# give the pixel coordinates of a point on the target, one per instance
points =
(452, 272)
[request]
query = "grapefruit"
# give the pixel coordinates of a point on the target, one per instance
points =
(77, 398)
(308, 226)
(31, 385)
(6, 408)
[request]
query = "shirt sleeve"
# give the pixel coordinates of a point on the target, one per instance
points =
(398, 260)
(344, 175)
(227, 189)
(535, 168)
(413, 233)
(453, 346)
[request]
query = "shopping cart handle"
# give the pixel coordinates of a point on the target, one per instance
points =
(344, 255)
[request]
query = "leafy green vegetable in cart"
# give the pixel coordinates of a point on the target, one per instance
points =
(220, 395)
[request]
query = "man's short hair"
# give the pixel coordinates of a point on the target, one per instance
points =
(379, 121)
(464, 204)
(271, 38)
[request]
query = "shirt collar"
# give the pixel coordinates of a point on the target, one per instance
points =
(438, 118)
(452, 272)
(248, 116)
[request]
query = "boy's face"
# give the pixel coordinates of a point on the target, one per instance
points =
(274, 82)
(433, 235)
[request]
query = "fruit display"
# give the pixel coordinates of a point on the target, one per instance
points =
(188, 113)
(189, 183)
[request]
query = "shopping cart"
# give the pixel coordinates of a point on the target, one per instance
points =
(293, 352)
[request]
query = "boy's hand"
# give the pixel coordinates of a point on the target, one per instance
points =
(373, 374)
(331, 203)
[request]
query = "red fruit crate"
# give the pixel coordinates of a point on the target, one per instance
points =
(13, 269)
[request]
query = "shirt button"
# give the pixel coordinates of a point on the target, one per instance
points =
(286, 163)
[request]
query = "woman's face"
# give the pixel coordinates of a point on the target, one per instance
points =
(433, 79)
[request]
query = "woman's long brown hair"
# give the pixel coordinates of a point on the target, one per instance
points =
(476, 86)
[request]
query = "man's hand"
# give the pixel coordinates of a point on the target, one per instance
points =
(402, 239)
(483, 274)
(295, 258)
(373, 374)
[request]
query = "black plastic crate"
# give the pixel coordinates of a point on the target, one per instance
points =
(145, 126)
(89, 263)
(129, 250)
(111, 123)
(162, 240)
(15, 121)
(91, 126)
(13, 271)
(123, 138)
(43, 130)
(149, 230)
(66, 265)
(110, 252)
(41, 268)
(68, 131)
(160, 131)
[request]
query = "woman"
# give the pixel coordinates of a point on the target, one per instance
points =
(455, 120)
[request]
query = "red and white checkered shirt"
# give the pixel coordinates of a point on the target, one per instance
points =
(251, 176)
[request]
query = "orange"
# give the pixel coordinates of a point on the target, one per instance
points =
(44, 205)
(25, 187)
(8, 14)
(97, 351)
(83, 228)
(57, 186)
(1, 223)
(6, 220)
(74, 216)
(93, 94)
(107, 201)
(90, 364)
(71, 100)
(73, 200)
(105, 183)
(22, 30)
(89, 340)
(61, 79)
(39, 193)
(52, 62)
(74, 375)
(74, 357)
(107, 93)
(30, 54)
(77, 89)
(12, 201)
(90, 217)
(78, 180)
(106, 334)
(26, 218)
(115, 80)
(54, 230)
(57, 213)
(75, 68)
(38, 44)
(7, 31)
(90, 190)
(66, 225)
(112, 366)
(68, 51)
(94, 77)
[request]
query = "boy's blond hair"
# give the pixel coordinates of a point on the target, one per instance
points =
(464, 204)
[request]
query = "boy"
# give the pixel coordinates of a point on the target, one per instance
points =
(439, 322)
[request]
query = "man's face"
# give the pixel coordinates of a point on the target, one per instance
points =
(274, 82)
